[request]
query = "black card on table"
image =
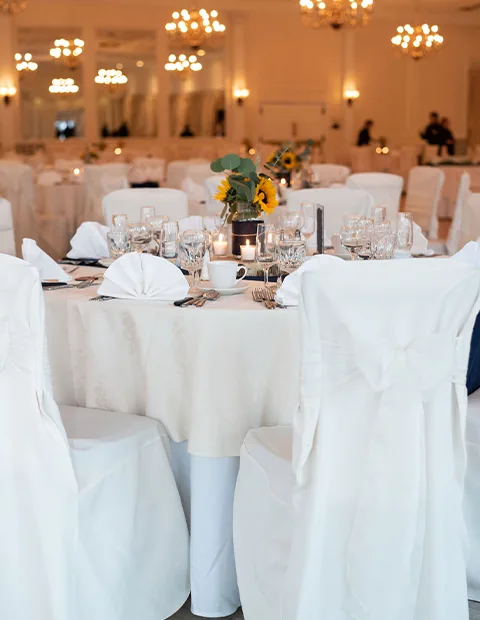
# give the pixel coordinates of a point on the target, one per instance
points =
(320, 228)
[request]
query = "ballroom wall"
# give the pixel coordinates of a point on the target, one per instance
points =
(271, 53)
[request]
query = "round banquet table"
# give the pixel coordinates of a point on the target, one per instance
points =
(453, 174)
(208, 375)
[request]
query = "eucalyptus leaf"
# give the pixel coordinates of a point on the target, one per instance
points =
(230, 162)
(246, 167)
(216, 166)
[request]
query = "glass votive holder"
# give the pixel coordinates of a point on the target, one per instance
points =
(169, 240)
(220, 242)
(119, 243)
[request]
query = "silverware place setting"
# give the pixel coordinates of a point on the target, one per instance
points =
(198, 301)
(267, 297)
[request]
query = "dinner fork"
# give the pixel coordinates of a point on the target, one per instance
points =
(207, 296)
(101, 298)
(267, 297)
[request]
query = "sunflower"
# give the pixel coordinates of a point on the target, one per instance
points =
(266, 196)
(223, 190)
(289, 160)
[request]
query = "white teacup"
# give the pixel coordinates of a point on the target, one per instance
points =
(223, 273)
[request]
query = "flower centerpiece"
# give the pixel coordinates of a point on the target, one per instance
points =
(246, 195)
(286, 160)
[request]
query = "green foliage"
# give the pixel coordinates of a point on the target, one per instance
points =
(243, 178)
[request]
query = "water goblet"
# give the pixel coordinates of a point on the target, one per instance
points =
(291, 220)
(291, 251)
(379, 214)
(349, 239)
(192, 248)
(147, 214)
(119, 242)
(365, 238)
(309, 219)
(141, 236)
(265, 249)
(120, 221)
(384, 247)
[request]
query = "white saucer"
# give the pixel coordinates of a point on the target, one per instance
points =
(240, 287)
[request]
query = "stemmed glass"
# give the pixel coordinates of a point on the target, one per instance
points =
(157, 223)
(120, 221)
(309, 220)
(265, 248)
(193, 245)
(404, 242)
(141, 236)
(365, 238)
(291, 250)
(147, 214)
(169, 239)
(349, 239)
(292, 220)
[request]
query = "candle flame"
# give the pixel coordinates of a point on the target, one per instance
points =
(220, 237)
(248, 242)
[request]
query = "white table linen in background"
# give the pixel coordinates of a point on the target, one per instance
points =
(453, 175)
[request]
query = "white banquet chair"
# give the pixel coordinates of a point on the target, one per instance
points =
(455, 232)
(424, 188)
(170, 202)
(337, 203)
(92, 523)
(17, 186)
(328, 174)
(211, 189)
(385, 189)
(100, 180)
(7, 236)
(366, 520)
(149, 169)
(177, 171)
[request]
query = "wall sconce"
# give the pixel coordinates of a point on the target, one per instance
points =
(240, 95)
(351, 96)
(7, 92)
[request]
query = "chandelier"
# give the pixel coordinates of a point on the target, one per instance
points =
(25, 64)
(63, 86)
(417, 41)
(12, 7)
(335, 13)
(113, 79)
(68, 51)
(183, 65)
(194, 27)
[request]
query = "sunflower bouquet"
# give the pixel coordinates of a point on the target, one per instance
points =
(286, 159)
(244, 186)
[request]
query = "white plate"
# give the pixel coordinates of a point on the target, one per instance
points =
(240, 287)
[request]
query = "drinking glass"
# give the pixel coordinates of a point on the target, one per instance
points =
(147, 214)
(349, 239)
(157, 223)
(169, 240)
(265, 250)
(193, 244)
(353, 220)
(384, 247)
(309, 219)
(404, 242)
(379, 214)
(291, 220)
(291, 251)
(120, 221)
(141, 236)
(365, 238)
(119, 242)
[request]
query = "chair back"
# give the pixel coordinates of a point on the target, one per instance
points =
(423, 195)
(100, 180)
(148, 169)
(337, 203)
(17, 186)
(378, 440)
(455, 232)
(211, 189)
(7, 236)
(37, 483)
(385, 189)
(327, 174)
(170, 202)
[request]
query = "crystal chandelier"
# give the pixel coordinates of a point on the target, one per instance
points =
(417, 41)
(335, 13)
(63, 86)
(68, 51)
(183, 64)
(25, 63)
(12, 7)
(195, 27)
(113, 79)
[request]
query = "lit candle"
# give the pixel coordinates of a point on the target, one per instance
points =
(248, 251)
(283, 181)
(169, 249)
(220, 246)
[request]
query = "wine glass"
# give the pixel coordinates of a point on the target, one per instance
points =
(292, 220)
(265, 250)
(193, 245)
(384, 246)
(291, 250)
(141, 233)
(349, 239)
(120, 221)
(379, 214)
(169, 239)
(309, 220)
(365, 238)
(404, 242)
(157, 223)
(119, 242)
(147, 214)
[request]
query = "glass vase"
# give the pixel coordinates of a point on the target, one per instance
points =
(244, 226)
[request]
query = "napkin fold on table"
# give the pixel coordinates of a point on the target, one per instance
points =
(143, 276)
(470, 254)
(49, 270)
(420, 242)
(289, 293)
(90, 241)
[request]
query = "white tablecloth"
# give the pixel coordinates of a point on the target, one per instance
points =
(209, 375)
(453, 174)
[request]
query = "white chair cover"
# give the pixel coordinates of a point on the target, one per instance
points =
(455, 232)
(17, 186)
(170, 202)
(362, 158)
(327, 174)
(385, 189)
(100, 180)
(7, 236)
(149, 169)
(94, 532)
(211, 188)
(178, 170)
(408, 160)
(336, 202)
(378, 453)
(49, 177)
(423, 194)
(471, 500)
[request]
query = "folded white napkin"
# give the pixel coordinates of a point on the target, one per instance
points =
(194, 222)
(470, 254)
(47, 267)
(289, 293)
(143, 276)
(206, 260)
(90, 241)
(420, 242)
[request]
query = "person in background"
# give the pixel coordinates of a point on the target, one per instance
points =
(364, 137)
(187, 132)
(448, 139)
(105, 131)
(433, 132)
